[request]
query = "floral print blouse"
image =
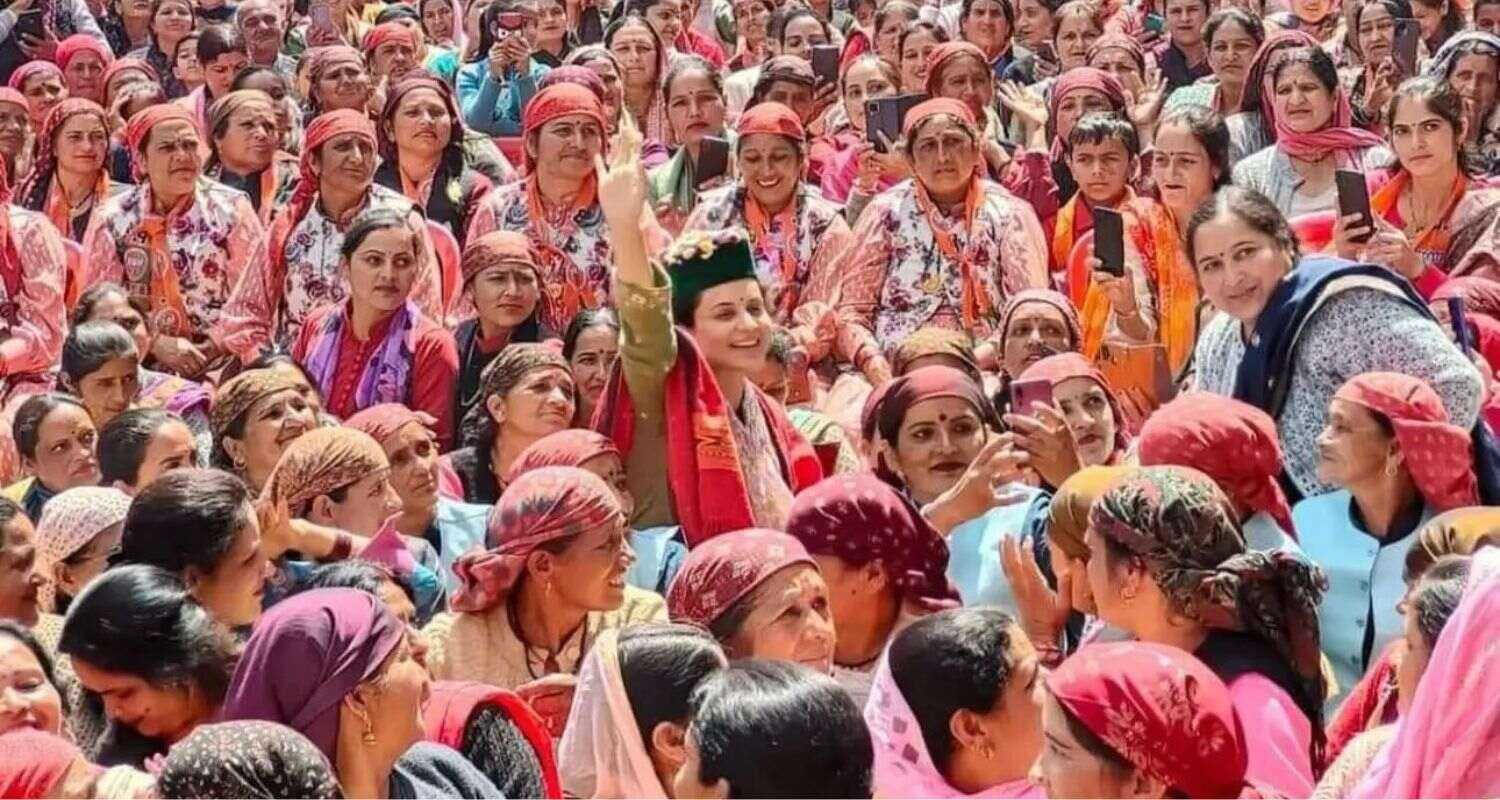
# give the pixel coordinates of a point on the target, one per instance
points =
(210, 243)
(34, 319)
(896, 279)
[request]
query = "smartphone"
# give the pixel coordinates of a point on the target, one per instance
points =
(29, 23)
(320, 22)
(510, 20)
(1155, 23)
(1025, 396)
(1460, 321)
(1404, 46)
(1354, 198)
(1109, 241)
(825, 63)
(885, 115)
(713, 159)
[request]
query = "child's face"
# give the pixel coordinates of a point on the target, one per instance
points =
(1102, 170)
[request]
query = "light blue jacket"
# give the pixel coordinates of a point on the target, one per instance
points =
(490, 106)
(974, 550)
(461, 529)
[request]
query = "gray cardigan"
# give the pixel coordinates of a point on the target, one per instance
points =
(1271, 173)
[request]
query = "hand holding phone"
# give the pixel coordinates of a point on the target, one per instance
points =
(825, 63)
(1404, 47)
(713, 159)
(1109, 241)
(1026, 396)
(1354, 198)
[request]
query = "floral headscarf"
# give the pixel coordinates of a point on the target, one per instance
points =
(723, 570)
(69, 522)
(246, 759)
(238, 394)
(1182, 525)
(1437, 453)
(1458, 531)
(321, 461)
(509, 367)
(934, 341)
(541, 506)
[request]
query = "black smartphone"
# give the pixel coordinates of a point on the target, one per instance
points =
(1109, 241)
(1404, 46)
(1459, 319)
(1354, 198)
(590, 26)
(825, 63)
(885, 115)
(713, 159)
(28, 23)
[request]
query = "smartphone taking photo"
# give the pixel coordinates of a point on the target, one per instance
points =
(1354, 198)
(1109, 241)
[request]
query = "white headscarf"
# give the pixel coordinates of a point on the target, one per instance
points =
(69, 522)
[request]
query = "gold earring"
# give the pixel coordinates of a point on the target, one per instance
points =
(1390, 468)
(369, 735)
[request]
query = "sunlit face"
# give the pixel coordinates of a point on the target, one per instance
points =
(944, 156)
(1033, 24)
(986, 27)
(85, 76)
(43, 92)
(80, 144)
(1185, 20)
(593, 356)
(343, 84)
(695, 107)
(383, 268)
(790, 620)
(864, 81)
(27, 698)
(1231, 51)
(64, 456)
(733, 326)
(665, 17)
(1119, 63)
(173, 21)
(120, 80)
(1425, 143)
(166, 711)
(888, 37)
(567, 146)
(261, 24)
(1102, 169)
(437, 20)
(1302, 100)
(1376, 32)
(116, 307)
(1477, 79)
(271, 424)
(233, 589)
(1065, 768)
(250, 138)
(88, 561)
(914, 50)
(1411, 663)
(614, 86)
(173, 158)
(801, 36)
(365, 505)
(611, 470)
(969, 80)
(636, 50)
(1085, 406)
(1035, 330)
(395, 696)
(590, 572)
(1353, 448)
(1238, 267)
(506, 294)
(541, 403)
(219, 73)
(795, 95)
(1076, 33)
(1311, 11)
(938, 439)
(1183, 172)
(1075, 105)
(413, 454)
(770, 167)
(347, 163)
(422, 124)
(171, 447)
(185, 63)
(111, 389)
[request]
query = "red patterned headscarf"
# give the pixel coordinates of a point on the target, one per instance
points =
(560, 100)
(572, 447)
(723, 570)
(1057, 368)
(1073, 80)
(70, 47)
(140, 125)
(945, 54)
(319, 132)
(30, 70)
(938, 105)
(1119, 41)
(1198, 429)
(384, 420)
(44, 166)
(1436, 452)
(32, 762)
(1160, 709)
(772, 118)
(860, 519)
(542, 506)
(388, 32)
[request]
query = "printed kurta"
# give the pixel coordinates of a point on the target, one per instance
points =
(34, 322)
(209, 244)
(896, 279)
(263, 310)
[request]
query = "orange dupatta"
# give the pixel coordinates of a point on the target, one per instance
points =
(1385, 202)
(58, 210)
(977, 303)
(149, 271)
(759, 224)
(1063, 238)
(564, 288)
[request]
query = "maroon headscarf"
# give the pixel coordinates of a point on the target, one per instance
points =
(571, 447)
(384, 420)
(721, 571)
(927, 383)
(1073, 80)
(1049, 297)
(860, 519)
(305, 655)
(1058, 368)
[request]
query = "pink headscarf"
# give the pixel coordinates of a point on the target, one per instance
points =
(1338, 134)
(724, 569)
(1436, 452)
(565, 448)
(541, 506)
(140, 125)
(1441, 749)
(32, 762)
(82, 43)
(1073, 80)
(29, 70)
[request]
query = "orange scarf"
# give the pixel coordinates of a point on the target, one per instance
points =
(976, 302)
(1434, 240)
(149, 271)
(58, 210)
(565, 287)
(759, 224)
(268, 184)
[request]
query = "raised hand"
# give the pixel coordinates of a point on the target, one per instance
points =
(1025, 103)
(1147, 102)
(622, 181)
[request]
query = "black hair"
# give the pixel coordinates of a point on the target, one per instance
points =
(582, 321)
(22, 634)
(397, 11)
(783, 17)
(1398, 9)
(185, 518)
(660, 666)
(189, 40)
(1452, 22)
(1250, 207)
(487, 22)
(1099, 127)
(376, 219)
(26, 428)
(496, 747)
(351, 573)
(1317, 62)
(83, 310)
(690, 62)
(1238, 16)
(123, 442)
(218, 40)
(1005, 8)
(142, 621)
(1436, 595)
(952, 660)
(9, 511)
(1438, 96)
(938, 34)
(757, 713)
(90, 346)
(1208, 127)
(243, 77)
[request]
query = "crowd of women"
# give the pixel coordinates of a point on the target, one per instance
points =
(744, 398)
